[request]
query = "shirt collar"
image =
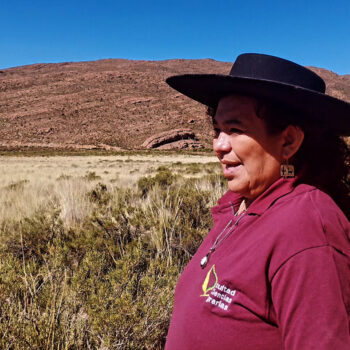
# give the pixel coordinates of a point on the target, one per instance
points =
(229, 199)
(277, 190)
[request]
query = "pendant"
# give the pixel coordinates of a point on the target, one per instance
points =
(204, 261)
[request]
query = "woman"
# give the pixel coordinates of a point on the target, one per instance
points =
(274, 272)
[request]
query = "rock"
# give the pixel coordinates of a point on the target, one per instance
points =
(182, 144)
(178, 138)
(45, 131)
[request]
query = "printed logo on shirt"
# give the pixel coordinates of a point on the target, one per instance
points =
(217, 294)
(207, 280)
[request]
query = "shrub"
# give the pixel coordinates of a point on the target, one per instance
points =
(63, 177)
(216, 179)
(15, 186)
(99, 194)
(163, 178)
(91, 176)
(194, 168)
(108, 282)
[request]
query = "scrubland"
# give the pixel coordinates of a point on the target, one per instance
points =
(91, 247)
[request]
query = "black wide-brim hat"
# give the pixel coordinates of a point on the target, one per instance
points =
(274, 79)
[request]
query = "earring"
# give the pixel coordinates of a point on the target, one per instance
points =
(287, 170)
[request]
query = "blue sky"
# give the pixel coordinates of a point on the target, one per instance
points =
(309, 32)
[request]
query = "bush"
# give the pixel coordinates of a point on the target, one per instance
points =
(91, 176)
(216, 179)
(109, 282)
(163, 178)
(15, 186)
(194, 168)
(100, 195)
(63, 177)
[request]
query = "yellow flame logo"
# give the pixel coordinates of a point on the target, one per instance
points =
(205, 287)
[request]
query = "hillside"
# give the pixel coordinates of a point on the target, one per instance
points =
(108, 103)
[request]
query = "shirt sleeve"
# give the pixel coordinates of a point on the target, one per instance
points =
(309, 304)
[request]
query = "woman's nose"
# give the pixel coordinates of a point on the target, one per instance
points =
(222, 143)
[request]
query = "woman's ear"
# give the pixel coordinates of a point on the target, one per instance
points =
(293, 138)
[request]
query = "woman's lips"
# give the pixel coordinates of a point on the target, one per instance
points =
(230, 169)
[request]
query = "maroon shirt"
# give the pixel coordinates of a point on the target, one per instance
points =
(280, 280)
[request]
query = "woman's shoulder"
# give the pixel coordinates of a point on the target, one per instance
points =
(304, 221)
(335, 225)
(307, 218)
(310, 205)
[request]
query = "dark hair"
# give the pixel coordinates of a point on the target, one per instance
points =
(323, 159)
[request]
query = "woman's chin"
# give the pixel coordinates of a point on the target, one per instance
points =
(236, 187)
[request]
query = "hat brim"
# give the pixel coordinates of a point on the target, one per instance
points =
(320, 108)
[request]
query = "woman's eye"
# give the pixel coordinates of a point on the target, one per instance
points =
(216, 131)
(235, 131)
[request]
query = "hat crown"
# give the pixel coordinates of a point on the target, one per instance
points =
(271, 68)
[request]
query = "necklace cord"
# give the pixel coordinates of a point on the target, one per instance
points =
(205, 259)
(217, 242)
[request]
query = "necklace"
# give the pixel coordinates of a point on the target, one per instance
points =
(205, 259)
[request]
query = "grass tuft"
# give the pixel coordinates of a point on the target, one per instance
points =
(94, 265)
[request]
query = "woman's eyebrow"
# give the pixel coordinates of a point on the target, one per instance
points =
(229, 122)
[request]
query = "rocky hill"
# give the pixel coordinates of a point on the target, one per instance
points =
(111, 104)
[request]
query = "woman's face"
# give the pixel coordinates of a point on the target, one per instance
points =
(249, 155)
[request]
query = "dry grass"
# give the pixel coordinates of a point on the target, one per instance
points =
(90, 260)
(30, 183)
